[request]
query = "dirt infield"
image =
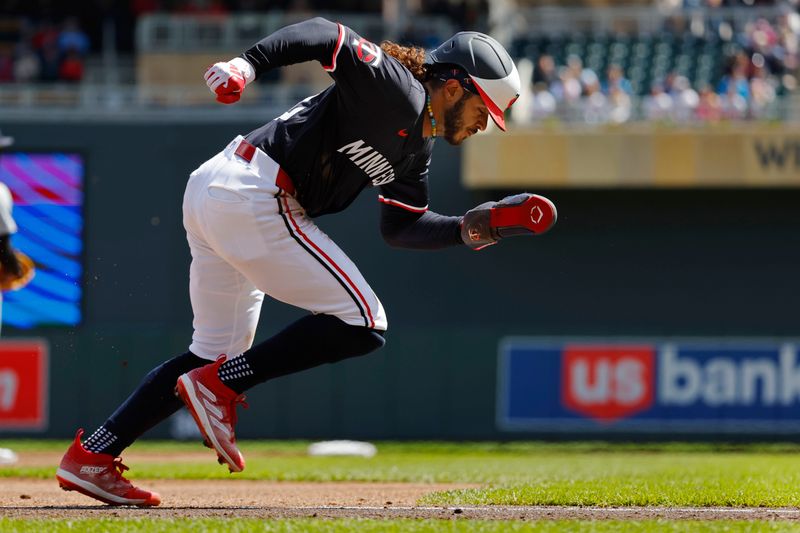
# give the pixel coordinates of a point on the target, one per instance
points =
(27, 498)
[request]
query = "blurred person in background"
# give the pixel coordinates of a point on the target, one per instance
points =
(590, 82)
(8, 259)
(72, 38)
(759, 36)
(616, 80)
(788, 49)
(545, 70)
(709, 107)
(542, 103)
(567, 87)
(71, 67)
(735, 81)
(594, 106)
(685, 99)
(73, 46)
(50, 63)
(734, 106)
(762, 88)
(617, 89)
(46, 34)
(619, 106)
(27, 67)
(658, 105)
(9, 264)
(669, 84)
(577, 71)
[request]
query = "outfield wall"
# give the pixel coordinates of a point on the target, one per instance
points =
(621, 262)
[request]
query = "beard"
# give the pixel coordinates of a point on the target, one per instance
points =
(453, 120)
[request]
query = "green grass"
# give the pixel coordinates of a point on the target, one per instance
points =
(669, 479)
(231, 525)
(511, 474)
(517, 447)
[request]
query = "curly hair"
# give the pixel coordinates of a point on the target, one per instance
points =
(411, 57)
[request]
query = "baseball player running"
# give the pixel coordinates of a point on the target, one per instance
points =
(249, 217)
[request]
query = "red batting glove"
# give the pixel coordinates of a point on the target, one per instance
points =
(226, 81)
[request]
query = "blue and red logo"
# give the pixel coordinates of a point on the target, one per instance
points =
(692, 386)
(607, 383)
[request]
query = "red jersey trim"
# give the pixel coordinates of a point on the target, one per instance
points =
(401, 205)
(339, 42)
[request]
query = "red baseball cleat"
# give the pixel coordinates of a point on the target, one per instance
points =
(523, 213)
(213, 406)
(99, 476)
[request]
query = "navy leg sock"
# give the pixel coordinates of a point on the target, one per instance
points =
(311, 341)
(153, 400)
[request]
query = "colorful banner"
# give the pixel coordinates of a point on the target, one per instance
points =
(23, 384)
(48, 208)
(692, 386)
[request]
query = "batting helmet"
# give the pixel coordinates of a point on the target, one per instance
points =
(488, 65)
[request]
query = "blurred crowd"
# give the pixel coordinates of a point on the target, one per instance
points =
(762, 64)
(42, 51)
(462, 12)
(50, 40)
(95, 16)
(715, 3)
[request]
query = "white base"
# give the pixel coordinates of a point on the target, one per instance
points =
(342, 447)
(8, 457)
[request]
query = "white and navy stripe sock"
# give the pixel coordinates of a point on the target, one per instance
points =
(234, 369)
(306, 343)
(100, 440)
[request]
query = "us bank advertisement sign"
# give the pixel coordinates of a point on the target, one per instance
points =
(690, 386)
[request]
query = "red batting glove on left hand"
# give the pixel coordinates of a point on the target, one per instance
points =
(227, 79)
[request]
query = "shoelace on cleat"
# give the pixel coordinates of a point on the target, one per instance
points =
(118, 469)
(232, 409)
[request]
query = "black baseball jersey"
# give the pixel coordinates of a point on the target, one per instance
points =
(365, 130)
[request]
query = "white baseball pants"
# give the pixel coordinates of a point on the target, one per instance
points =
(249, 238)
